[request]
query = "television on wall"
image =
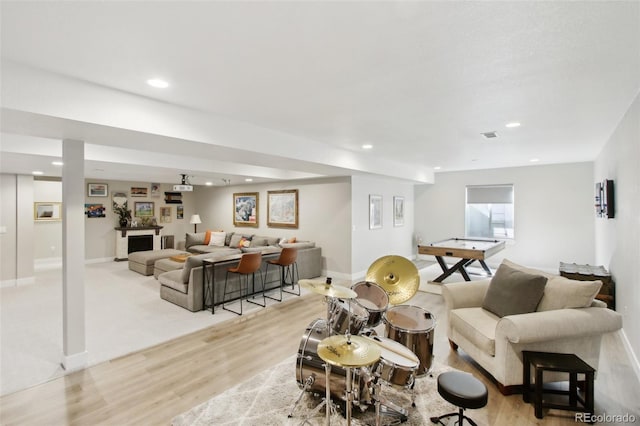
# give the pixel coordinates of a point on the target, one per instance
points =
(605, 205)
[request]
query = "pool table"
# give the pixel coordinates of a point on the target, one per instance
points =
(466, 249)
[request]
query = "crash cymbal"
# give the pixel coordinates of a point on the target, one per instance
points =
(398, 276)
(328, 289)
(348, 351)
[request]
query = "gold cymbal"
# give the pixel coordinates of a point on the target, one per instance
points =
(398, 276)
(328, 289)
(354, 352)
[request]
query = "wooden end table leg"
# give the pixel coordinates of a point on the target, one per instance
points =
(526, 377)
(573, 390)
(538, 392)
(588, 394)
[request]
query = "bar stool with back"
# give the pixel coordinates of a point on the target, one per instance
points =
(249, 264)
(288, 270)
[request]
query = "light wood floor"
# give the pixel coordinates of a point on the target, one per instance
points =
(154, 385)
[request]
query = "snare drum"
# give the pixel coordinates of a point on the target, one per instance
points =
(309, 364)
(339, 316)
(374, 299)
(397, 364)
(413, 327)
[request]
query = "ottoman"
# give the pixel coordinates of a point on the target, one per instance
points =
(165, 265)
(143, 261)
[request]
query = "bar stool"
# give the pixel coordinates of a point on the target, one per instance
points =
(249, 264)
(288, 270)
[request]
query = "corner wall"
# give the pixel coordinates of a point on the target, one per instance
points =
(554, 212)
(618, 239)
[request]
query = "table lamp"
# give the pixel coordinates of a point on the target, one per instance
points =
(195, 220)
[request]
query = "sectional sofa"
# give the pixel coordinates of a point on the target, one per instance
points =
(182, 283)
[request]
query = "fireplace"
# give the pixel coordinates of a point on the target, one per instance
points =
(129, 240)
(139, 243)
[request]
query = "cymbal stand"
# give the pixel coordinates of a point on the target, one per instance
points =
(348, 369)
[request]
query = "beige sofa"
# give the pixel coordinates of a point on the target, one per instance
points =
(567, 319)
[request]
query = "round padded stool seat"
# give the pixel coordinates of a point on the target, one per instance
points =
(462, 389)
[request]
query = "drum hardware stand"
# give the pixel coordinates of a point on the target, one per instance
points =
(388, 408)
(307, 384)
(326, 401)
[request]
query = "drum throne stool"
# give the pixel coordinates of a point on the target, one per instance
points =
(288, 271)
(462, 390)
(249, 264)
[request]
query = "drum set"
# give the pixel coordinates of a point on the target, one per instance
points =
(343, 357)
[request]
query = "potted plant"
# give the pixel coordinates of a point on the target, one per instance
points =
(123, 212)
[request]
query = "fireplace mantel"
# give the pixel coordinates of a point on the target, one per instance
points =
(122, 238)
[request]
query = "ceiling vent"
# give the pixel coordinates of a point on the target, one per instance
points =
(489, 135)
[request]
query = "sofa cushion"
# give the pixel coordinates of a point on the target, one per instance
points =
(477, 325)
(235, 239)
(273, 241)
(513, 292)
(299, 245)
(257, 241)
(173, 279)
(217, 238)
(192, 239)
(561, 293)
(526, 269)
(227, 239)
(263, 249)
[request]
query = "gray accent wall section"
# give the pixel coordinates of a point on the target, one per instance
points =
(370, 244)
(324, 216)
(618, 240)
(554, 212)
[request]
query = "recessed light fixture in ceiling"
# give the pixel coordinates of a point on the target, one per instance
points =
(157, 83)
(209, 183)
(534, 160)
(37, 173)
(437, 168)
(367, 146)
(248, 180)
(512, 125)
(57, 163)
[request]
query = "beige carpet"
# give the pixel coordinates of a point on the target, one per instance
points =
(267, 399)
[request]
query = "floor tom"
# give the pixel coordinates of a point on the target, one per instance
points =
(414, 327)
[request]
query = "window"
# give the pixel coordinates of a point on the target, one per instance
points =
(489, 211)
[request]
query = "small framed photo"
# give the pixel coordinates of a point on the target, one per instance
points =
(143, 209)
(245, 209)
(97, 190)
(94, 210)
(43, 212)
(375, 211)
(165, 214)
(138, 191)
(282, 209)
(398, 211)
(155, 189)
(179, 212)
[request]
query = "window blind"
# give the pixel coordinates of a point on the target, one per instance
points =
(490, 194)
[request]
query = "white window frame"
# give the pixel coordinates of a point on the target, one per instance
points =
(490, 195)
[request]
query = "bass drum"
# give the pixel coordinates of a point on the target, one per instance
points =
(310, 368)
(413, 327)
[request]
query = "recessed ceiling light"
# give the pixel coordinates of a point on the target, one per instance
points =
(512, 125)
(37, 173)
(367, 146)
(534, 160)
(157, 83)
(57, 163)
(437, 168)
(248, 180)
(208, 183)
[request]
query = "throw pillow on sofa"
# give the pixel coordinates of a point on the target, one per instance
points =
(217, 238)
(235, 240)
(513, 292)
(561, 293)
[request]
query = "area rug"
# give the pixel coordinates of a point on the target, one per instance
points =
(267, 399)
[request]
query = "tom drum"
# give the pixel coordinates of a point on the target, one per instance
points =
(374, 299)
(339, 316)
(413, 327)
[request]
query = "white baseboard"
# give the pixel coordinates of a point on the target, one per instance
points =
(632, 355)
(98, 260)
(75, 362)
(47, 263)
(17, 282)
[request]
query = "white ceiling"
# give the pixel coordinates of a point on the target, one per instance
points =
(418, 80)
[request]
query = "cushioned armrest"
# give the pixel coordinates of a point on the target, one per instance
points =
(467, 294)
(557, 324)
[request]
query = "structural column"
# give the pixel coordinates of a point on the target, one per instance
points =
(73, 299)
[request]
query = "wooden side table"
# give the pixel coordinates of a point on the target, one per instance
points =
(566, 363)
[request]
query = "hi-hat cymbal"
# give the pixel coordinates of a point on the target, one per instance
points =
(342, 351)
(328, 289)
(397, 275)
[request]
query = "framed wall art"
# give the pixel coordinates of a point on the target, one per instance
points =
(97, 190)
(179, 212)
(282, 208)
(375, 211)
(138, 191)
(245, 209)
(94, 210)
(155, 189)
(143, 209)
(43, 212)
(398, 211)
(165, 214)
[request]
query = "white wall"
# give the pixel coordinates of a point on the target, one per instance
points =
(49, 233)
(8, 253)
(324, 215)
(618, 239)
(554, 213)
(371, 244)
(18, 241)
